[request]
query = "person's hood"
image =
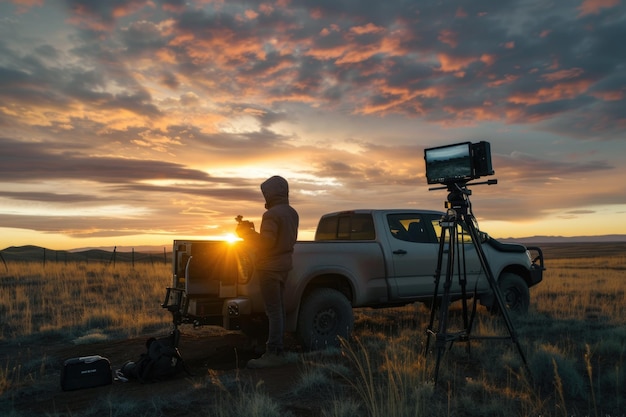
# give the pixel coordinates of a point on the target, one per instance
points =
(276, 191)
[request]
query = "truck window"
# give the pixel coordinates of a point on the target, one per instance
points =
(346, 226)
(411, 227)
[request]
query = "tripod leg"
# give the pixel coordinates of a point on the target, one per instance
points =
(495, 288)
(461, 264)
(433, 305)
(442, 333)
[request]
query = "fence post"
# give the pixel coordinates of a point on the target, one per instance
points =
(4, 262)
(113, 256)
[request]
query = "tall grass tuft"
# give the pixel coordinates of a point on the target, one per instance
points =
(561, 405)
(389, 383)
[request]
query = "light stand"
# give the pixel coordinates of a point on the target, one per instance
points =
(454, 224)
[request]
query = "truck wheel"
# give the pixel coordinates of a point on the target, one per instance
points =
(324, 314)
(515, 293)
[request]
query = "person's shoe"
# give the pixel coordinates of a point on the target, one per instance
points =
(268, 360)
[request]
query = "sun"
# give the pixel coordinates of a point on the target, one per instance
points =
(231, 238)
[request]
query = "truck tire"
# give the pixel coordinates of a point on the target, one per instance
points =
(324, 314)
(515, 293)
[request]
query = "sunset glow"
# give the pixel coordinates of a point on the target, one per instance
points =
(132, 123)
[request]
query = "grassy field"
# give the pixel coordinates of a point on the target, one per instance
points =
(574, 340)
(77, 299)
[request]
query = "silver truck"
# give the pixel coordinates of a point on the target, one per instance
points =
(359, 258)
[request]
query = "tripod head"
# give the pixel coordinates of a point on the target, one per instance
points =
(458, 195)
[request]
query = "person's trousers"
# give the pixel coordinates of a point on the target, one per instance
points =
(272, 290)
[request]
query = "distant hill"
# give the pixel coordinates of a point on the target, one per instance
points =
(563, 239)
(37, 253)
(142, 249)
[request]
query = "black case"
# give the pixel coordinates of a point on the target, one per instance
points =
(86, 372)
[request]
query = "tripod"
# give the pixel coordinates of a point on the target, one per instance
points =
(454, 224)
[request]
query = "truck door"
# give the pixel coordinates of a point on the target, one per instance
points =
(414, 248)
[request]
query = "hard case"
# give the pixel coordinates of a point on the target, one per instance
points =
(86, 372)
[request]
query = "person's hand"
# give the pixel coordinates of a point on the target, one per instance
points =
(244, 228)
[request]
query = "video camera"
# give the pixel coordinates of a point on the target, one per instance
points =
(458, 163)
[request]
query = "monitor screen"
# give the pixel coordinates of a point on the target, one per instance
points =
(450, 163)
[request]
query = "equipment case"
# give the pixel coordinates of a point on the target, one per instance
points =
(86, 372)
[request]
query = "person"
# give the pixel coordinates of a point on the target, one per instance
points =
(273, 246)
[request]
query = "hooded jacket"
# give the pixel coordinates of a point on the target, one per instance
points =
(279, 228)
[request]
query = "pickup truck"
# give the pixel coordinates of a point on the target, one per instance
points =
(359, 258)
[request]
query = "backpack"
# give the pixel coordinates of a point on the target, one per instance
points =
(161, 361)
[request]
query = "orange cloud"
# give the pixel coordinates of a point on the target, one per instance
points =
(563, 74)
(594, 6)
(487, 59)
(562, 91)
(608, 95)
(451, 63)
(448, 37)
(349, 53)
(401, 97)
(326, 53)
(469, 116)
(355, 55)
(251, 14)
(507, 79)
(266, 8)
(221, 47)
(369, 28)
(130, 8)
(545, 33)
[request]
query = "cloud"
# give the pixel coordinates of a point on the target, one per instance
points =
(29, 161)
(177, 106)
(596, 6)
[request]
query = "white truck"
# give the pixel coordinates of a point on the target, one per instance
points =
(359, 258)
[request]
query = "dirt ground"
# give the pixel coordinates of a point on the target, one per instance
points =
(211, 357)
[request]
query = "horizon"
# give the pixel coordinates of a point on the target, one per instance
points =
(613, 238)
(137, 122)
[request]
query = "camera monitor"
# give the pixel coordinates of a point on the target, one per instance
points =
(460, 162)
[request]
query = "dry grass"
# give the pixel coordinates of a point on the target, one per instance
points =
(80, 300)
(574, 339)
(584, 289)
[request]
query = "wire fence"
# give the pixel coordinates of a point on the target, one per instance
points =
(109, 258)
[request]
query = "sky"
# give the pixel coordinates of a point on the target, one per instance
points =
(129, 123)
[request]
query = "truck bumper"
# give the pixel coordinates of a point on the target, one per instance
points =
(537, 267)
(229, 313)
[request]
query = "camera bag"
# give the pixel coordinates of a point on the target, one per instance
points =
(86, 372)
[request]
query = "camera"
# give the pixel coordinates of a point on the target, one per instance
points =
(458, 163)
(243, 226)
